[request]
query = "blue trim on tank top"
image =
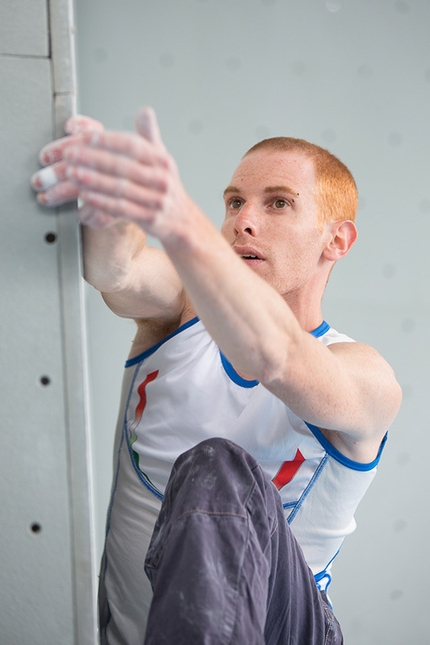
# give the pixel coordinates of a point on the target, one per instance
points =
(338, 456)
(319, 331)
(151, 350)
(239, 380)
(234, 376)
(326, 575)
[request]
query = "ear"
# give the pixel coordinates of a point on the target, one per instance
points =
(342, 236)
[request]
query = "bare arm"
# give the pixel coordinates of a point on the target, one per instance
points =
(136, 281)
(348, 389)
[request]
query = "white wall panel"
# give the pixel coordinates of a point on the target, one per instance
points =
(24, 28)
(47, 582)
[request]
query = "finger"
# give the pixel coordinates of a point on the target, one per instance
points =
(118, 187)
(49, 176)
(119, 207)
(128, 144)
(147, 126)
(54, 151)
(59, 194)
(78, 124)
(115, 165)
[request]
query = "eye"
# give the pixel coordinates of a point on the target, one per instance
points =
(235, 203)
(281, 203)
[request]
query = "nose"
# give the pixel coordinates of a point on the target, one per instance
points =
(246, 220)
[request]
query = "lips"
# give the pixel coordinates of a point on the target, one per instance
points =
(248, 253)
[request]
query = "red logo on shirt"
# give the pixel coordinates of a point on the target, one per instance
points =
(288, 470)
(141, 390)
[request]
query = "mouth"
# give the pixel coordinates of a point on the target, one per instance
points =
(249, 255)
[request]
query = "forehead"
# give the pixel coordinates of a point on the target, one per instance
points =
(263, 168)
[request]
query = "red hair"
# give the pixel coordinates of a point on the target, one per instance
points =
(337, 195)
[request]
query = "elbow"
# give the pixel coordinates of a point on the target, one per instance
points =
(107, 279)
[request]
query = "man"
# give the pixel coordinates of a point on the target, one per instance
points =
(234, 369)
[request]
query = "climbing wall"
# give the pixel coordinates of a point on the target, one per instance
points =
(47, 588)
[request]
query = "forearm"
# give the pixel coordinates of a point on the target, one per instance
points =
(109, 253)
(137, 281)
(247, 318)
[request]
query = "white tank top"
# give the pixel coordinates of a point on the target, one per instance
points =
(182, 391)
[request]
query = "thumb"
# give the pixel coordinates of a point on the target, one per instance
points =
(147, 125)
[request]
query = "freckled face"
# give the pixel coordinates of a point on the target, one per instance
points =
(273, 228)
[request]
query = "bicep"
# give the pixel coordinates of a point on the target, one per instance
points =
(371, 386)
(344, 387)
(152, 289)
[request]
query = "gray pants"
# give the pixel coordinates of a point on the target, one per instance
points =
(224, 565)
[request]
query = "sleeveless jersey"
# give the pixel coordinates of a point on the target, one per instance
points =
(182, 391)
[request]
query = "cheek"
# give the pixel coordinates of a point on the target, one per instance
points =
(303, 251)
(226, 228)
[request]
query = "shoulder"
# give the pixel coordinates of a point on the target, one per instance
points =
(380, 395)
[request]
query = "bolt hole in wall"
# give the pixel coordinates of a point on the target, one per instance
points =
(36, 528)
(50, 238)
(45, 380)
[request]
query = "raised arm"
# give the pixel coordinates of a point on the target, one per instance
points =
(136, 281)
(349, 389)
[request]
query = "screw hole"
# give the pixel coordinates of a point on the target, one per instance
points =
(36, 528)
(45, 380)
(50, 238)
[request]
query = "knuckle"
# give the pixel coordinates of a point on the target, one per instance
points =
(158, 203)
(163, 184)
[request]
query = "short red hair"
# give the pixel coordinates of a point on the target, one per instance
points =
(337, 195)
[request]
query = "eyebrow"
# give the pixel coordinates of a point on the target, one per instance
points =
(231, 189)
(268, 189)
(282, 189)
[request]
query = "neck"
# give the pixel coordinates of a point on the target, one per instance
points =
(306, 307)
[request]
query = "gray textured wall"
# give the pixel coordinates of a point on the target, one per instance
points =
(47, 580)
(353, 76)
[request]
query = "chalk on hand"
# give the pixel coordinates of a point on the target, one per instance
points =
(45, 178)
